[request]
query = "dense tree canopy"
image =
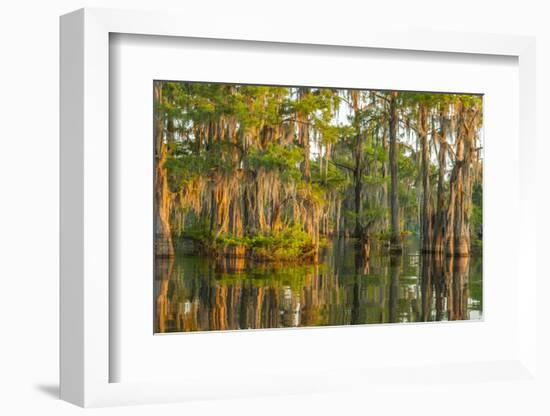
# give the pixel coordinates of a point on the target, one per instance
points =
(271, 172)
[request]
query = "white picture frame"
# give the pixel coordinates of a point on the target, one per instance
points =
(85, 264)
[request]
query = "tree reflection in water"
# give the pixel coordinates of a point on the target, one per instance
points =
(196, 294)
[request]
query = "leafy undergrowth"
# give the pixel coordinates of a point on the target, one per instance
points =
(290, 244)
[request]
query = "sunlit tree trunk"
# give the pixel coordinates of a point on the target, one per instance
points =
(163, 236)
(440, 217)
(458, 218)
(462, 225)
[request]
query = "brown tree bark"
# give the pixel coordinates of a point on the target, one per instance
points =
(303, 136)
(458, 218)
(163, 236)
(395, 240)
(358, 172)
(440, 216)
(425, 211)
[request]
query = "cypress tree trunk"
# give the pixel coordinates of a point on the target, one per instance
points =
(458, 219)
(462, 224)
(439, 226)
(395, 240)
(385, 202)
(358, 172)
(303, 136)
(425, 212)
(163, 236)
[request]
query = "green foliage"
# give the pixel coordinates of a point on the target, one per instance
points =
(221, 132)
(368, 216)
(333, 179)
(476, 219)
(198, 232)
(284, 159)
(291, 243)
(407, 167)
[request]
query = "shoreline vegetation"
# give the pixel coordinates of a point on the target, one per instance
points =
(273, 174)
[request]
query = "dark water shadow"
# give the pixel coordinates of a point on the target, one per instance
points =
(51, 390)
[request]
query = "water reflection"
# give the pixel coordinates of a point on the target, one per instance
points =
(196, 294)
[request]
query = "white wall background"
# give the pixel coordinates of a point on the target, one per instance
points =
(29, 56)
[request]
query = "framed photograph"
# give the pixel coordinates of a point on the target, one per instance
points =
(298, 210)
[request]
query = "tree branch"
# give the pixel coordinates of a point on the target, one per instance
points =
(340, 165)
(381, 97)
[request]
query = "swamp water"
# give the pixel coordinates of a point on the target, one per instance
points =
(194, 293)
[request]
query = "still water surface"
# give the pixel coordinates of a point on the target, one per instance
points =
(195, 293)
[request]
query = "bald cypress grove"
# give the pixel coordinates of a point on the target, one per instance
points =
(273, 173)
